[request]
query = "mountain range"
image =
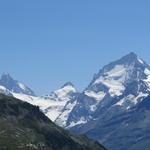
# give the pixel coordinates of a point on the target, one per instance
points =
(113, 109)
(24, 127)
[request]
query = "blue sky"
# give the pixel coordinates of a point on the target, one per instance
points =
(47, 43)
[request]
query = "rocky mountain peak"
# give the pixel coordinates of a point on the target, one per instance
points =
(68, 84)
(13, 85)
(122, 83)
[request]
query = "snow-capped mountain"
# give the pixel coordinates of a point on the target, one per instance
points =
(64, 115)
(63, 94)
(118, 88)
(60, 97)
(53, 104)
(14, 86)
(116, 100)
(123, 83)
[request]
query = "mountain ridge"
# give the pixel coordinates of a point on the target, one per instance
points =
(14, 86)
(125, 77)
(24, 127)
(113, 95)
(115, 91)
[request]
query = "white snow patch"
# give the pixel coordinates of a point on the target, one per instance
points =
(52, 114)
(5, 91)
(140, 60)
(117, 71)
(50, 107)
(115, 78)
(62, 94)
(147, 71)
(62, 118)
(22, 86)
(115, 87)
(53, 104)
(147, 80)
(131, 100)
(2, 88)
(123, 102)
(81, 121)
(98, 96)
(93, 107)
